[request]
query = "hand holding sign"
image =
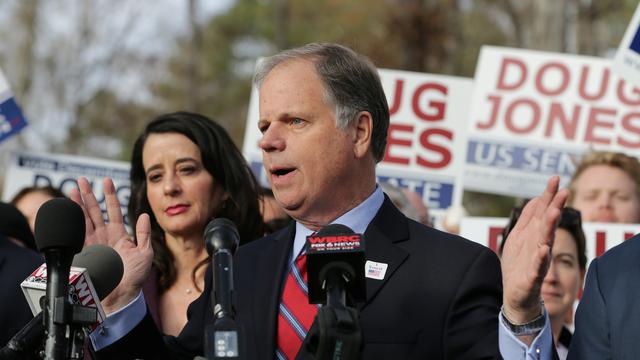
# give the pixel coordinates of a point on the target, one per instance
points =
(526, 255)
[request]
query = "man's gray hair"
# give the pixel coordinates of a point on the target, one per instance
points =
(351, 84)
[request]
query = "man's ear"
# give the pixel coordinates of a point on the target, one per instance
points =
(363, 126)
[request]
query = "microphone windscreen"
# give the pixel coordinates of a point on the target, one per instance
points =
(221, 233)
(104, 266)
(335, 229)
(60, 224)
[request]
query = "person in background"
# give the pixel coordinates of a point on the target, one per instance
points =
(421, 209)
(606, 188)
(14, 226)
(17, 262)
(452, 219)
(400, 199)
(185, 171)
(565, 275)
(273, 214)
(29, 199)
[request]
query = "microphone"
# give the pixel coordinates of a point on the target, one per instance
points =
(335, 266)
(105, 269)
(335, 269)
(221, 339)
(59, 234)
(94, 273)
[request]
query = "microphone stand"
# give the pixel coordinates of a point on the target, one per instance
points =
(338, 334)
(222, 338)
(56, 309)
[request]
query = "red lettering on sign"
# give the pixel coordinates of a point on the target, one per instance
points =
(623, 98)
(516, 65)
(533, 120)
(445, 154)
(628, 125)
(439, 106)
(493, 117)
(564, 71)
(495, 233)
(392, 141)
(582, 88)
(597, 120)
(601, 242)
(569, 126)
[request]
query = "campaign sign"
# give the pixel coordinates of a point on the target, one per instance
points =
(627, 60)
(425, 141)
(600, 237)
(11, 118)
(61, 171)
(534, 114)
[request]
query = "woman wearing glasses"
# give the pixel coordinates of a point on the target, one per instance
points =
(566, 273)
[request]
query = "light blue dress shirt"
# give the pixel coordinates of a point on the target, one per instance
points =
(123, 321)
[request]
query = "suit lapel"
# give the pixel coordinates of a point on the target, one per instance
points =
(388, 227)
(269, 275)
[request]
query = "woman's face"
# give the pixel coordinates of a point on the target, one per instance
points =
(181, 192)
(561, 285)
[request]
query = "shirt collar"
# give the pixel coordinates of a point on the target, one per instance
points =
(357, 219)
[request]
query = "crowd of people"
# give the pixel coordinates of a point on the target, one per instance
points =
(440, 296)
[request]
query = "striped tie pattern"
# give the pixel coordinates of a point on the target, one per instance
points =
(296, 314)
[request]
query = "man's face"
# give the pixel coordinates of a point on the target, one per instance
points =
(309, 162)
(606, 194)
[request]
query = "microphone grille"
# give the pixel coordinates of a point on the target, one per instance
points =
(60, 224)
(221, 233)
(104, 266)
(335, 229)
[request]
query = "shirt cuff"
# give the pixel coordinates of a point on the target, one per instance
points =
(512, 348)
(119, 323)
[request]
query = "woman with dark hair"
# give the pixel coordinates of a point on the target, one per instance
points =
(565, 275)
(185, 171)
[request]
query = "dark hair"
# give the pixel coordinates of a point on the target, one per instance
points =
(570, 220)
(351, 84)
(14, 225)
(222, 159)
(48, 190)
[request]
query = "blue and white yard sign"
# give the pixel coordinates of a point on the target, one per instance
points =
(11, 118)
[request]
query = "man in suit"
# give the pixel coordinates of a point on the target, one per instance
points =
(608, 314)
(324, 119)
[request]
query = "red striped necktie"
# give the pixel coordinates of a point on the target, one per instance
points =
(296, 314)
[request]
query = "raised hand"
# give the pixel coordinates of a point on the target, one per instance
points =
(527, 253)
(137, 258)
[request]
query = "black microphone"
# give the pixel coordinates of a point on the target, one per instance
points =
(222, 337)
(335, 266)
(105, 269)
(59, 234)
(335, 269)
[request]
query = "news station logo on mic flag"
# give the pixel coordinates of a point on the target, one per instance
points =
(11, 118)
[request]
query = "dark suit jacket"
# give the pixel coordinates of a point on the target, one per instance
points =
(439, 299)
(608, 317)
(16, 263)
